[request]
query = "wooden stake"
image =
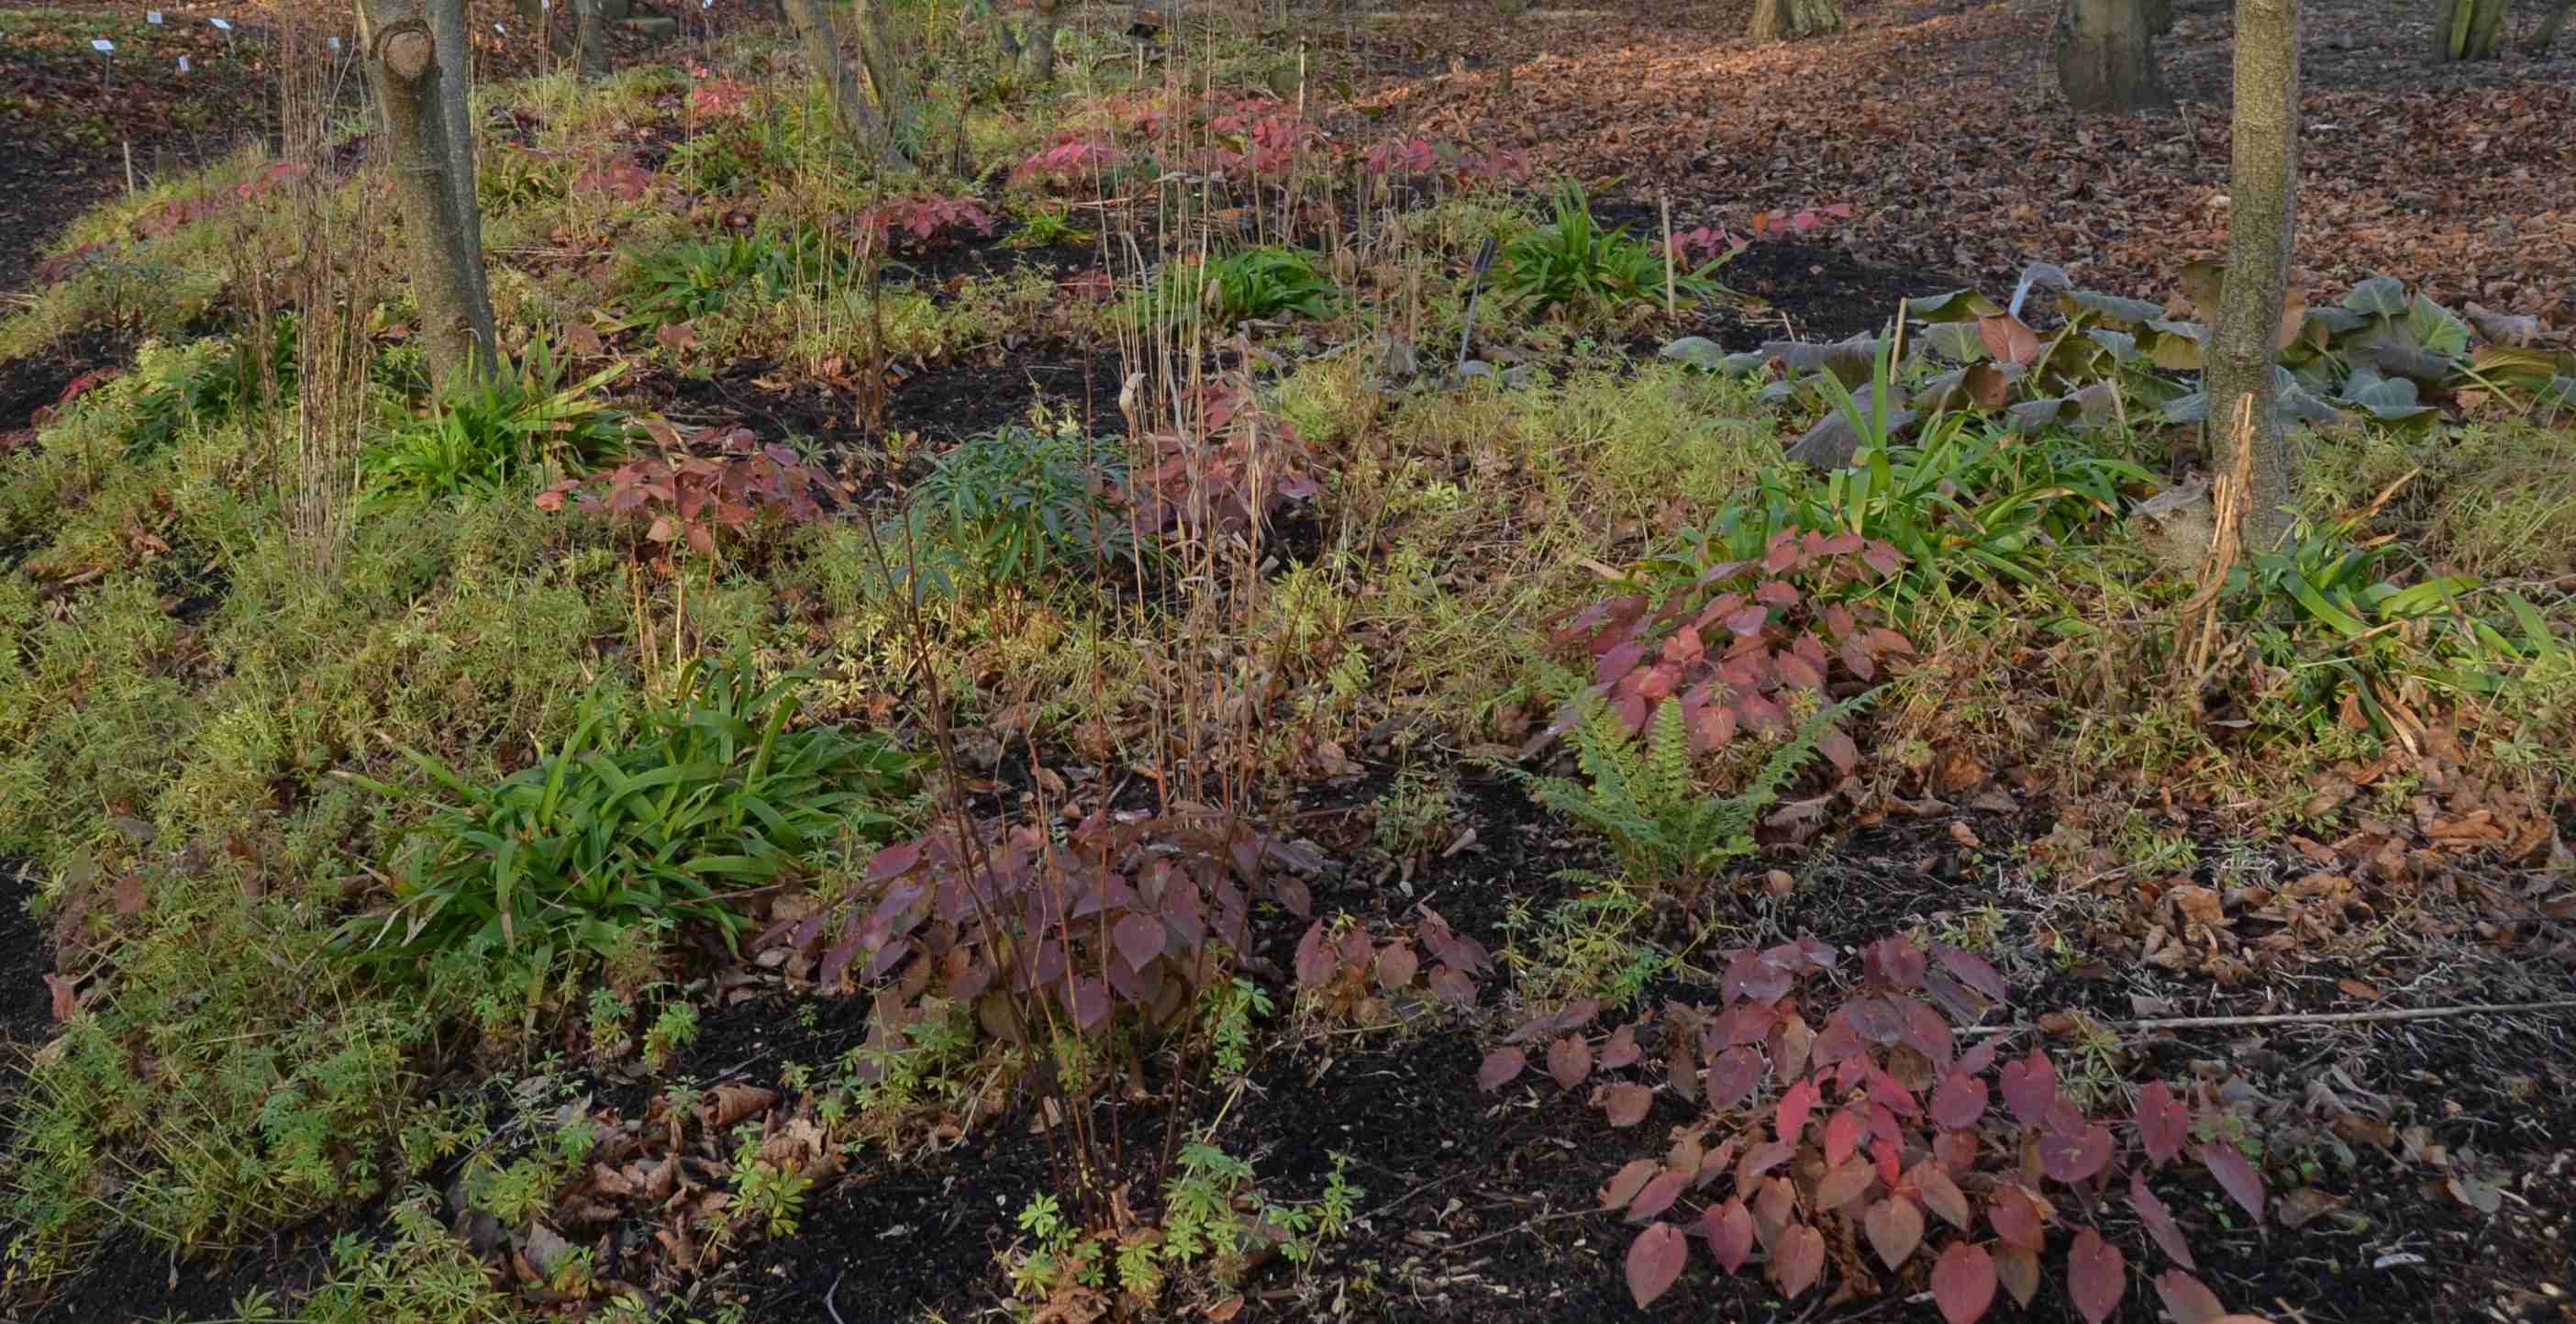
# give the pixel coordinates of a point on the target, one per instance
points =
(1665, 201)
(129, 167)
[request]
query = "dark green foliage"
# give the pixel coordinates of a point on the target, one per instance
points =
(1018, 503)
(689, 281)
(1263, 282)
(509, 427)
(643, 822)
(1574, 264)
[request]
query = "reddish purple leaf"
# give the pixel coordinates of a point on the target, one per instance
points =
(1733, 1076)
(1795, 1104)
(2071, 1158)
(1500, 1066)
(1842, 1136)
(2159, 1221)
(2016, 1219)
(1798, 1258)
(2030, 1086)
(1728, 1229)
(2162, 1123)
(2188, 1299)
(1626, 1182)
(893, 860)
(1569, 1060)
(1895, 1229)
(1839, 748)
(1941, 1195)
(1655, 1259)
(1963, 1282)
(1396, 965)
(2236, 1176)
(1621, 1050)
(1972, 970)
(2018, 1268)
(1748, 622)
(1657, 1196)
(1139, 939)
(1627, 1105)
(2095, 1276)
(1958, 1101)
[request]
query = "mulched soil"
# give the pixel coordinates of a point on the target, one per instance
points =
(1943, 127)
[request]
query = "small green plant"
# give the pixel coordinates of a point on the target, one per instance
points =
(1015, 504)
(1264, 282)
(631, 822)
(1574, 265)
(1644, 795)
(513, 425)
(1048, 227)
(675, 1028)
(1230, 1010)
(687, 281)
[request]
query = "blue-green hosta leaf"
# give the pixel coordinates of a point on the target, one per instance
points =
(1954, 306)
(2326, 323)
(2379, 296)
(2174, 346)
(1852, 362)
(2110, 307)
(1958, 342)
(2388, 399)
(2038, 275)
(2122, 345)
(2436, 328)
(1697, 351)
(2095, 404)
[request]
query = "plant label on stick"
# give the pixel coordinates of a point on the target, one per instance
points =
(183, 64)
(152, 16)
(102, 45)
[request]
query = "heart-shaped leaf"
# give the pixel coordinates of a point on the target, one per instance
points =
(1797, 1260)
(1728, 1229)
(2095, 1276)
(2162, 1123)
(2236, 1176)
(1658, 1195)
(2159, 1221)
(1795, 1103)
(1895, 1228)
(1139, 939)
(2188, 1299)
(1627, 1104)
(1499, 1068)
(1569, 1060)
(1655, 1260)
(1963, 1282)
(1626, 1182)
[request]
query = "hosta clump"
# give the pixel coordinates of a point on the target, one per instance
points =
(1115, 924)
(1727, 642)
(1850, 1117)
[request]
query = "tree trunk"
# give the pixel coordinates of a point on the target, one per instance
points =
(590, 37)
(2551, 26)
(416, 62)
(822, 41)
(2263, 191)
(1787, 20)
(887, 63)
(2106, 56)
(1037, 54)
(2468, 29)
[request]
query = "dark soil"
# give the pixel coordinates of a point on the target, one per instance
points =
(26, 957)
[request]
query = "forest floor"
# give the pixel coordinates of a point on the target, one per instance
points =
(2026, 801)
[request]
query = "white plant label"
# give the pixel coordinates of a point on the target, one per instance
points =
(502, 30)
(221, 24)
(335, 45)
(152, 16)
(102, 45)
(183, 64)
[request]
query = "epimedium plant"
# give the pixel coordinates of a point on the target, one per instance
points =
(649, 819)
(1018, 502)
(1233, 469)
(1117, 922)
(696, 481)
(1849, 1116)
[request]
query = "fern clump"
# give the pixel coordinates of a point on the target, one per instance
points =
(1641, 792)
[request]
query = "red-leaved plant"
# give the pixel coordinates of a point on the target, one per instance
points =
(922, 217)
(1025, 928)
(1070, 157)
(1243, 466)
(1335, 972)
(1730, 639)
(1859, 1130)
(697, 482)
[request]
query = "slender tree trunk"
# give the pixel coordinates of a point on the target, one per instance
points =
(2263, 191)
(887, 63)
(822, 41)
(1787, 20)
(2468, 29)
(416, 61)
(1037, 54)
(590, 37)
(2551, 26)
(2106, 56)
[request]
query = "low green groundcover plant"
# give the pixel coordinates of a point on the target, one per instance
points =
(642, 823)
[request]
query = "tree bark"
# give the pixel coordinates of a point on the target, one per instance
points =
(590, 38)
(2263, 190)
(887, 63)
(2468, 29)
(1037, 53)
(822, 41)
(2551, 26)
(1787, 20)
(2106, 56)
(416, 62)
